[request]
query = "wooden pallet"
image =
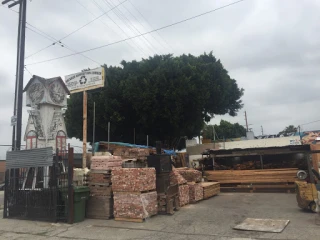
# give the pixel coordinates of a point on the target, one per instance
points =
(136, 220)
(99, 207)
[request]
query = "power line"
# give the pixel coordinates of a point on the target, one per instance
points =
(129, 38)
(28, 71)
(47, 36)
(78, 29)
(139, 49)
(133, 28)
(150, 26)
(310, 122)
(128, 43)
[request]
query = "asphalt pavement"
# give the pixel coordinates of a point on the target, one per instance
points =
(209, 219)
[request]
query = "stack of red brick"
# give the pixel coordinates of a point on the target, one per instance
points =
(106, 162)
(134, 193)
(183, 195)
(194, 178)
(136, 153)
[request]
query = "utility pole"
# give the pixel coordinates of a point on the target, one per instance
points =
(261, 130)
(245, 116)
(17, 112)
(94, 127)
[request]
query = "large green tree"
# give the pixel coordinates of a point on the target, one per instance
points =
(164, 97)
(288, 130)
(224, 130)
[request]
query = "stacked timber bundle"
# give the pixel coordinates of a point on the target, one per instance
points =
(100, 203)
(269, 180)
(210, 189)
(105, 162)
(190, 175)
(195, 192)
(134, 192)
(176, 178)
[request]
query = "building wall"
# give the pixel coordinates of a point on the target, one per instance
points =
(200, 148)
(269, 142)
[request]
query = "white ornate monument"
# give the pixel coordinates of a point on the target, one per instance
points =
(46, 126)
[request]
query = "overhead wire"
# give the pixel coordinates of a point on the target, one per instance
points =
(78, 29)
(310, 122)
(149, 25)
(133, 27)
(50, 38)
(135, 46)
(139, 35)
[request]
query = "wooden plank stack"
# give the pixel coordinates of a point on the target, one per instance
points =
(210, 189)
(267, 180)
(195, 192)
(135, 197)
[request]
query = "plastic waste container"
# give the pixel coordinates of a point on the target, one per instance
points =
(80, 196)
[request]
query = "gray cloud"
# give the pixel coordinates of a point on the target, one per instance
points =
(270, 47)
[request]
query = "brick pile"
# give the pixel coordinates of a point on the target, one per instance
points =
(106, 162)
(134, 192)
(133, 179)
(190, 175)
(176, 178)
(183, 195)
(100, 183)
(135, 205)
(195, 192)
(138, 153)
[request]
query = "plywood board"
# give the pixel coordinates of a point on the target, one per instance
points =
(263, 225)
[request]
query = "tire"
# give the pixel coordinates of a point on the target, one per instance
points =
(313, 207)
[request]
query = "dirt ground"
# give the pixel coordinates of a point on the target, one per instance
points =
(208, 219)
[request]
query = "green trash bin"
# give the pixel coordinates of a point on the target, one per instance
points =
(80, 196)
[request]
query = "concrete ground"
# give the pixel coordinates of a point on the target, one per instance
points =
(208, 219)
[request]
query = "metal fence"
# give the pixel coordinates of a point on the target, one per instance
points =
(40, 192)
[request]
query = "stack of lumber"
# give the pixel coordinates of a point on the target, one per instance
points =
(135, 206)
(183, 195)
(268, 180)
(190, 175)
(134, 193)
(106, 162)
(210, 189)
(195, 192)
(133, 179)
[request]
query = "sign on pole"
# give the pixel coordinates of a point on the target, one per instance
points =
(86, 80)
(82, 82)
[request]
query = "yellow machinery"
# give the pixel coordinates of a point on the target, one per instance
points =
(306, 195)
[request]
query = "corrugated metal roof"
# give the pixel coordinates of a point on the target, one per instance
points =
(37, 157)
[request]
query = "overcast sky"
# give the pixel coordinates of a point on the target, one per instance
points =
(271, 47)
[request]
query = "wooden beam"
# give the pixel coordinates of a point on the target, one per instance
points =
(84, 136)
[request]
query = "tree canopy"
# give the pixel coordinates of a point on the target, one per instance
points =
(224, 130)
(288, 130)
(163, 96)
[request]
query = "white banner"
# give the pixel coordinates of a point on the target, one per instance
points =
(82, 81)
